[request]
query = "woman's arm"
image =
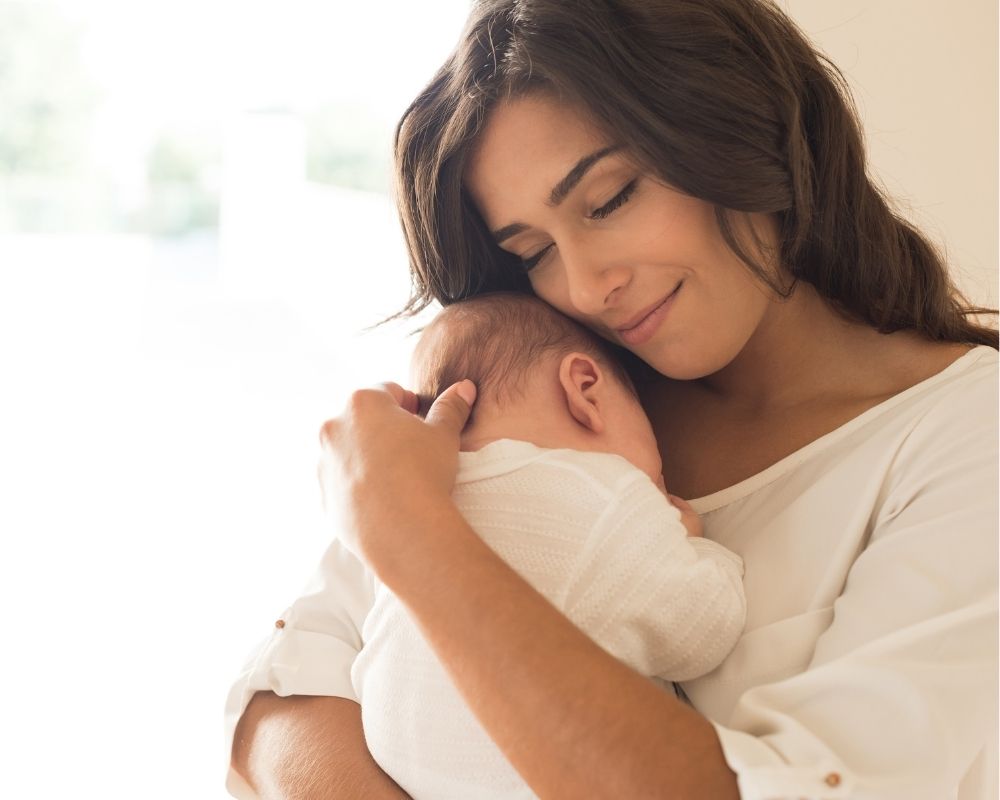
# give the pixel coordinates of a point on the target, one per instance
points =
(897, 702)
(307, 748)
(571, 719)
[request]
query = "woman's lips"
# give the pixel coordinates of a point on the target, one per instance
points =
(643, 330)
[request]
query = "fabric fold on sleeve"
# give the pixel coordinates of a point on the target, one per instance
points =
(311, 648)
(763, 775)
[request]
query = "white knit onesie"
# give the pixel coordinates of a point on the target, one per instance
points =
(593, 535)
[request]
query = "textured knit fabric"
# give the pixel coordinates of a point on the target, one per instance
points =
(593, 535)
(868, 665)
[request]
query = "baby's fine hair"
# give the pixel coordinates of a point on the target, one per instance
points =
(495, 339)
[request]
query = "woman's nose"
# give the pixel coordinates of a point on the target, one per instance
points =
(593, 282)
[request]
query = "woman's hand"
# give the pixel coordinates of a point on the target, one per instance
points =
(381, 463)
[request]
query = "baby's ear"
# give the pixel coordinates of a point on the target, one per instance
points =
(582, 383)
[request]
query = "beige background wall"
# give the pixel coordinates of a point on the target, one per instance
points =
(924, 74)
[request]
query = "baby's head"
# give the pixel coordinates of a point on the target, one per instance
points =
(540, 377)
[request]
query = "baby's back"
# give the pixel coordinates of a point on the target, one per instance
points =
(557, 518)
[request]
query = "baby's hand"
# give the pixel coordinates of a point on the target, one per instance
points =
(689, 517)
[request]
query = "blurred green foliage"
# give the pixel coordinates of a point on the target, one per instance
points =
(52, 180)
(182, 174)
(348, 145)
(46, 101)
(47, 108)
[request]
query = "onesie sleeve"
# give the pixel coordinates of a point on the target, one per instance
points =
(311, 647)
(667, 604)
(899, 700)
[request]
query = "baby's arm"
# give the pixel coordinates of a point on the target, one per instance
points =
(664, 601)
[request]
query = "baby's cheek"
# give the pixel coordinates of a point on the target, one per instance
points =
(653, 464)
(652, 449)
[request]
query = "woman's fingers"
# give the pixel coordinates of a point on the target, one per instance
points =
(377, 448)
(406, 399)
(451, 410)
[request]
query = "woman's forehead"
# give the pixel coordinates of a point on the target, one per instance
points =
(528, 145)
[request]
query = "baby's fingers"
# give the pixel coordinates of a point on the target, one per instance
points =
(682, 505)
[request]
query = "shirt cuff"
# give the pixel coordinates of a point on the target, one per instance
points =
(289, 662)
(763, 775)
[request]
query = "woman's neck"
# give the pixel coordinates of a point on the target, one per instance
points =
(805, 351)
(806, 372)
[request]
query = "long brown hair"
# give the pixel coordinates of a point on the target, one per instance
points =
(725, 100)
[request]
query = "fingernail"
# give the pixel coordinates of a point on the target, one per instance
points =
(467, 391)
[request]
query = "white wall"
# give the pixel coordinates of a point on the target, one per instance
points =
(924, 74)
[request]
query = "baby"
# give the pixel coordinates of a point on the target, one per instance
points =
(560, 475)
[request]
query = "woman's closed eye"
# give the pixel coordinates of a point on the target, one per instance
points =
(616, 202)
(530, 262)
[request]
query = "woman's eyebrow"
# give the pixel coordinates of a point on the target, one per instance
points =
(575, 175)
(561, 189)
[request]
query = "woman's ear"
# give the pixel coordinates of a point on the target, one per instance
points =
(582, 384)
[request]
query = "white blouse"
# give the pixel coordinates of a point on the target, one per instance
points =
(868, 666)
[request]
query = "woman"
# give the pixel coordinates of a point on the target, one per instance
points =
(686, 178)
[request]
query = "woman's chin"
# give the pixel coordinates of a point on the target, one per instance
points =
(682, 364)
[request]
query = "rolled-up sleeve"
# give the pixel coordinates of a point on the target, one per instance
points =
(905, 719)
(899, 700)
(311, 647)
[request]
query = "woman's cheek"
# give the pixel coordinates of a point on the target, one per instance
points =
(550, 285)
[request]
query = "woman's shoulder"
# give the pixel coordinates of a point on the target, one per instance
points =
(956, 411)
(938, 440)
(928, 360)
(967, 385)
(951, 409)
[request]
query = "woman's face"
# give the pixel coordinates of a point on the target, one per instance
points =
(611, 246)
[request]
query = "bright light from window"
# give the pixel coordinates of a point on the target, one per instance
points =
(182, 300)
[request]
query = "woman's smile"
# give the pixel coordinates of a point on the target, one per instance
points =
(645, 324)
